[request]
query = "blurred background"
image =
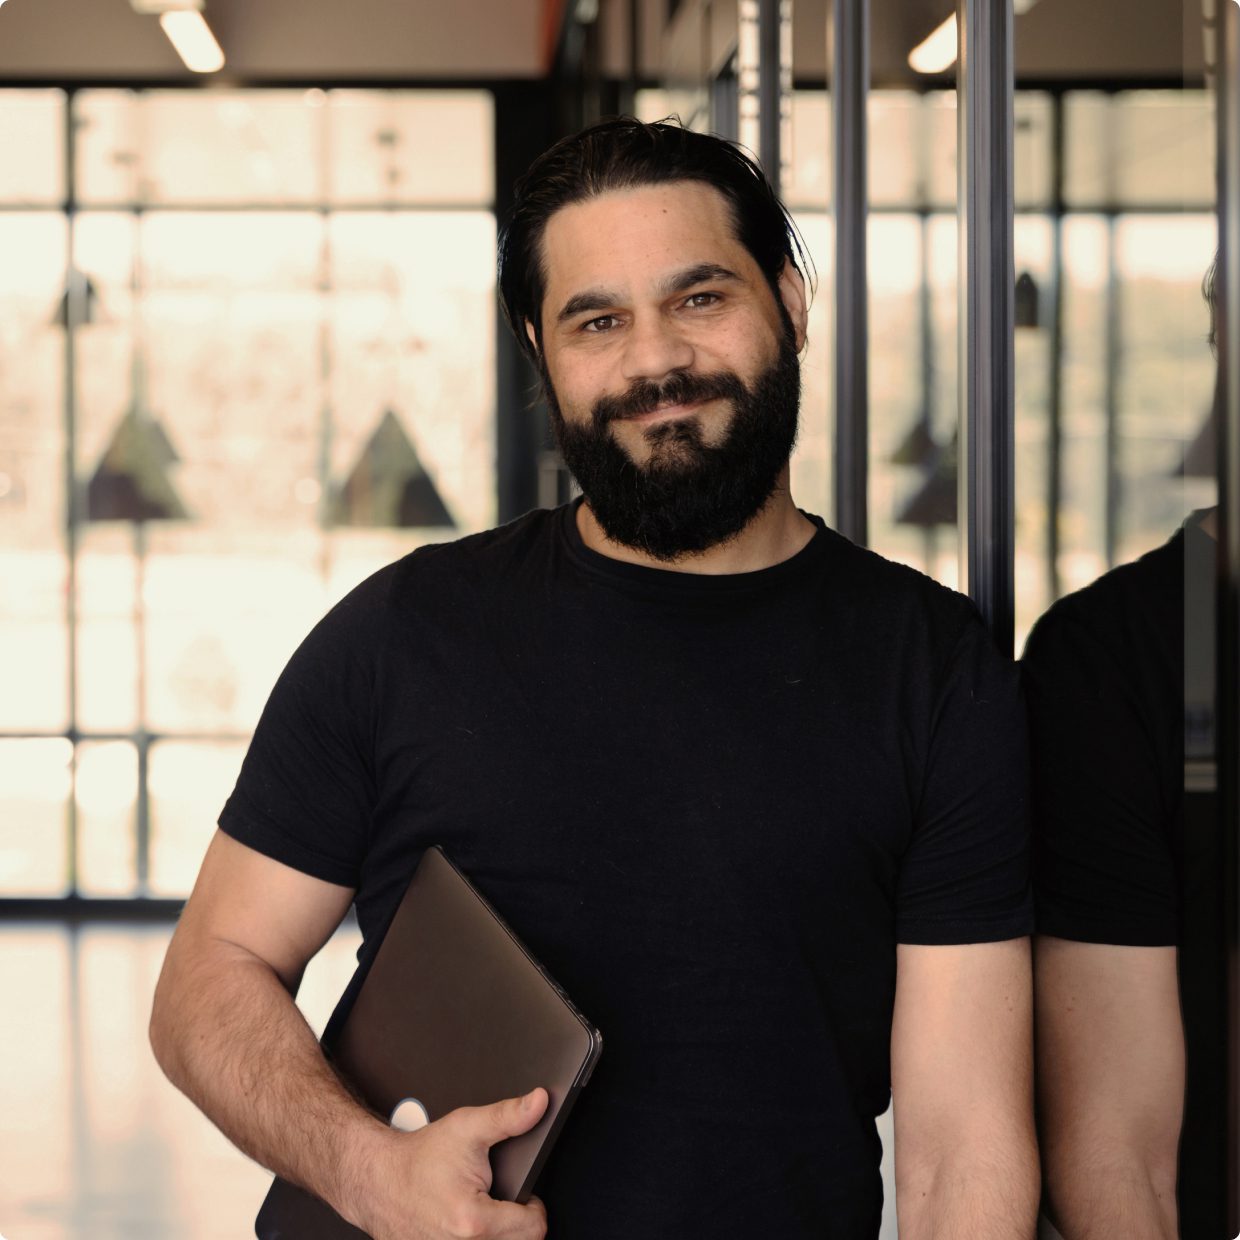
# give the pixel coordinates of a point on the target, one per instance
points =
(250, 352)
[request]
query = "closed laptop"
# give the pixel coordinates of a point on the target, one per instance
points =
(453, 1012)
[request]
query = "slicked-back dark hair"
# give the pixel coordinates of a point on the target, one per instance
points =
(621, 154)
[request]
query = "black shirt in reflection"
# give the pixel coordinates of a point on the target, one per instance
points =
(1127, 850)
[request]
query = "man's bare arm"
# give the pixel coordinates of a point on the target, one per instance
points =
(966, 1159)
(1110, 1087)
(226, 1031)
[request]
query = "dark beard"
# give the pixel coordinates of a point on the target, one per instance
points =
(689, 496)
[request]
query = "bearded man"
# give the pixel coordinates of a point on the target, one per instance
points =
(755, 796)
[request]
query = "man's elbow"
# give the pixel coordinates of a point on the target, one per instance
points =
(1092, 1174)
(991, 1183)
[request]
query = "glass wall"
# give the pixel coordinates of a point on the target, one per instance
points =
(247, 356)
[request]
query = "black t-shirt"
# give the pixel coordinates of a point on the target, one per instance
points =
(710, 805)
(1119, 855)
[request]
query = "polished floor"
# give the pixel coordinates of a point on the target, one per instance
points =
(94, 1143)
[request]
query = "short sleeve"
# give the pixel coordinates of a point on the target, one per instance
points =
(965, 875)
(306, 790)
(1104, 871)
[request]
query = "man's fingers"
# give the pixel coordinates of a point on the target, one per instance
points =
(514, 1222)
(510, 1118)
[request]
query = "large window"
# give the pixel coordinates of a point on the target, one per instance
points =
(246, 358)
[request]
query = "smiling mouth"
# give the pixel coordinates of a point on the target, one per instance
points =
(668, 411)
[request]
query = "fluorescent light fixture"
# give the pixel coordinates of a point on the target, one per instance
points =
(189, 33)
(936, 53)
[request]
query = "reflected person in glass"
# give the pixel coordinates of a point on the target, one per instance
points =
(756, 797)
(1129, 957)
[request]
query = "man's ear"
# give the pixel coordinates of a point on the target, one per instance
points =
(532, 335)
(791, 285)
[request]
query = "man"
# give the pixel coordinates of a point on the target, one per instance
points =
(1129, 956)
(755, 796)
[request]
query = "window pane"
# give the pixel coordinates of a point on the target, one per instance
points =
(32, 148)
(896, 146)
(189, 784)
(224, 611)
(33, 638)
(34, 800)
(107, 801)
(913, 367)
(200, 146)
(1166, 388)
(1139, 149)
(411, 147)
(414, 334)
(1082, 516)
(812, 481)
(1033, 242)
(807, 178)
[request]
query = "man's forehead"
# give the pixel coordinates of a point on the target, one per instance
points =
(642, 233)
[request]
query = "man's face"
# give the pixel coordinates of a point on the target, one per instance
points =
(670, 366)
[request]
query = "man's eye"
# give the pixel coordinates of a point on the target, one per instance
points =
(698, 301)
(602, 324)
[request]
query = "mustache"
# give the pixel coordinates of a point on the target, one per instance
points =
(679, 388)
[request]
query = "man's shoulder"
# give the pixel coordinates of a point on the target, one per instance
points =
(1135, 604)
(882, 587)
(481, 555)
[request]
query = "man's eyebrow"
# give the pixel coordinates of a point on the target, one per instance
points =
(702, 273)
(590, 299)
(604, 299)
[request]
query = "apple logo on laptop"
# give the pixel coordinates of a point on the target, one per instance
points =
(408, 1115)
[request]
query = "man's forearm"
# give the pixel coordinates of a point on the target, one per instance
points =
(971, 1198)
(228, 1034)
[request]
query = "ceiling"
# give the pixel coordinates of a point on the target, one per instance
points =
(301, 40)
(280, 39)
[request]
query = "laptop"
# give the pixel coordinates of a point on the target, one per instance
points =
(453, 1012)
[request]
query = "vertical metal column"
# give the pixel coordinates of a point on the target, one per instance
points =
(1228, 642)
(850, 84)
(76, 306)
(1054, 437)
(774, 85)
(1112, 478)
(987, 297)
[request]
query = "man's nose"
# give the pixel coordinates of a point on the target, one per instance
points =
(654, 349)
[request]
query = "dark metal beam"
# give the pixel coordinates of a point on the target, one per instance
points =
(1228, 641)
(850, 80)
(987, 296)
(771, 89)
(1054, 434)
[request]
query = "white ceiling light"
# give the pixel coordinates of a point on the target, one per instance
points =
(936, 53)
(187, 31)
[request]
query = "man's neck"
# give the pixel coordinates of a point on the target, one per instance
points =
(776, 534)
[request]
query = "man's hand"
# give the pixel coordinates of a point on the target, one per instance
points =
(434, 1184)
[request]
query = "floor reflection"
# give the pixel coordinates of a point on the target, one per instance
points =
(94, 1143)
